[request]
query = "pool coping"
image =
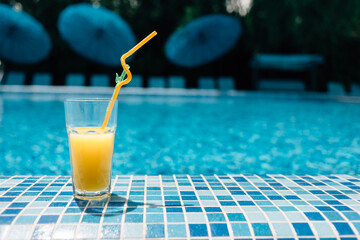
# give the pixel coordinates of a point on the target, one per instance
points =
(85, 91)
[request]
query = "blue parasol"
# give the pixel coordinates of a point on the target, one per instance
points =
(96, 33)
(203, 40)
(22, 38)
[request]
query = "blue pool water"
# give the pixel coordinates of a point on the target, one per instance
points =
(255, 133)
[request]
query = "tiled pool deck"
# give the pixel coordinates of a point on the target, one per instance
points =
(182, 207)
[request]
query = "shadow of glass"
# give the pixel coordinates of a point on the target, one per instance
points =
(115, 205)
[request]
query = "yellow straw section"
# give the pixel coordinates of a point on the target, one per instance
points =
(128, 75)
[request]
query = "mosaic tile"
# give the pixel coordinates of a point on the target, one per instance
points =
(154, 218)
(64, 232)
(87, 231)
(70, 218)
(179, 218)
(219, 230)
(18, 232)
(26, 220)
(204, 207)
(43, 232)
(198, 230)
(133, 231)
(283, 229)
(155, 231)
(240, 229)
(110, 232)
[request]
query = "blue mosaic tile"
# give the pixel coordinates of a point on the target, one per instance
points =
(70, 219)
(246, 203)
(11, 211)
(236, 217)
(193, 209)
(94, 210)
(198, 230)
(177, 230)
(5, 220)
(91, 218)
(314, 216)
(48, 219)
(154, 218)
(333, 216)
(134, 218)
(175, 218)
(261, 229)
(302, 229)
(155, 231)
(26, 220)
(174, 210)
(219, 230)
(240, 229)
(58, 204)
(343, 228)
(18, 205)
(249, 205)
(216, 217)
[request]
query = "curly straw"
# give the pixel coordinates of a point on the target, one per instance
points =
(128, 75)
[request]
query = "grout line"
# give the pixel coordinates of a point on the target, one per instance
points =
(166, 234)
(252, 181)
(307, 201)
(187, 229)
(236, 201)
(17, 216)
(144, 206)
(63, 211)
(231, 233)
(81, 217)
(105, 207)
(303, 214)
(284, 214)
(273, 204)
(318, 199)
(38, 215)
(336, 210)
(43, 210)
(202, 207)
(125, 208)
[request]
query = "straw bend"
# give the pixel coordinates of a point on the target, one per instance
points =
(128, 75)
(126, 55)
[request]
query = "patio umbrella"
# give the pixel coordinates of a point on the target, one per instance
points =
(22, 38)
(203, 40)
(96, 33)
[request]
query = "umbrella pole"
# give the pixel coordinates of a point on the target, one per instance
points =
(191, 80)
(90, 68)
(145, 77)
(28, 77)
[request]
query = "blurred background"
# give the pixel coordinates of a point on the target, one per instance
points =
(329, 28)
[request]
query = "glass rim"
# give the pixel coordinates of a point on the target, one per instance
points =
(89, 100)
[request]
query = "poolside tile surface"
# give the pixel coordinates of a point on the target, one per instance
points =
(184, 207)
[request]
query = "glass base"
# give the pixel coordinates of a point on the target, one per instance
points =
(91, 195)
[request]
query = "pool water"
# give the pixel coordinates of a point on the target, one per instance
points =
(250, 134)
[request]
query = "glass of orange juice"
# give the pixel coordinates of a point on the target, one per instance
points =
(91, 146)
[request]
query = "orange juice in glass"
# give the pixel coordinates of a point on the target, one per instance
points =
(91, 136)
(91, 146)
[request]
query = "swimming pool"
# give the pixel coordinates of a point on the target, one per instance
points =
(250, 133)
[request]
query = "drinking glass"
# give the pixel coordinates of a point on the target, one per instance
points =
(91, 146)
